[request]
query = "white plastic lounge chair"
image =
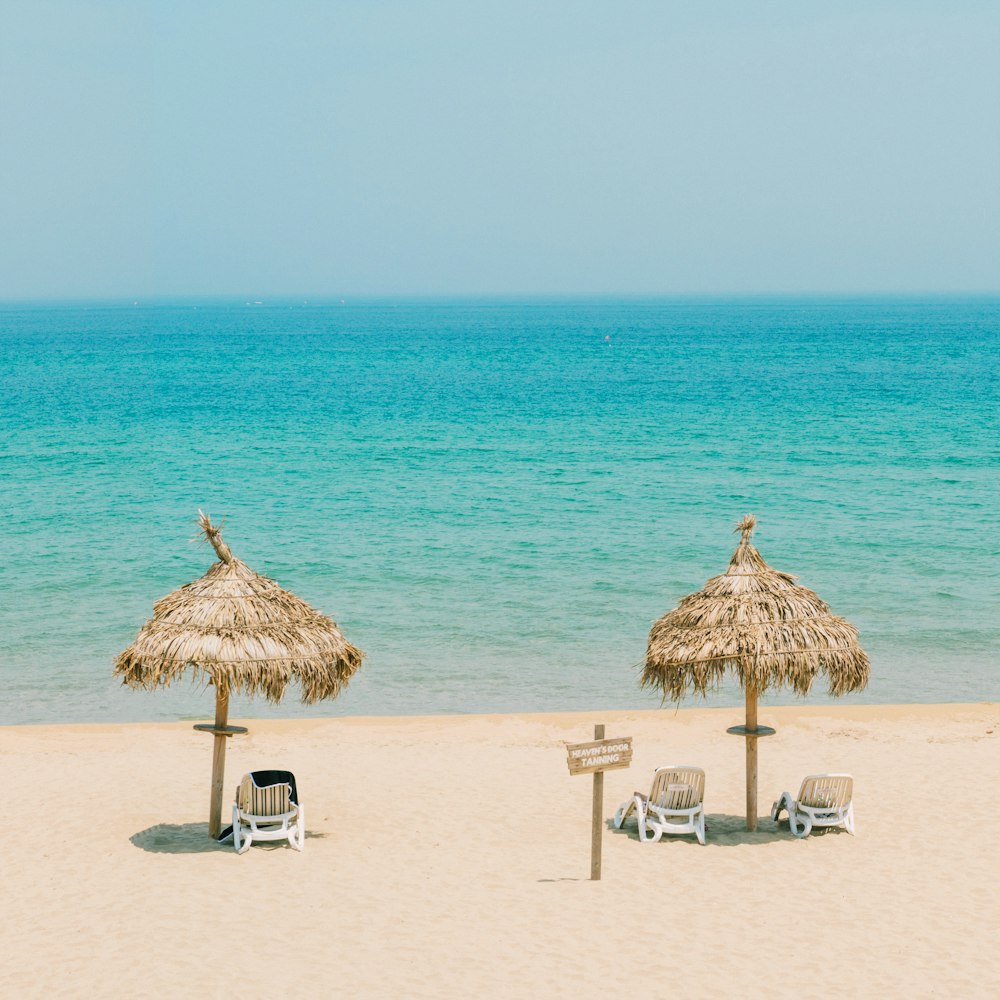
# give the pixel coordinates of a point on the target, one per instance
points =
(267, 807)
(824, 800)
(674, 805)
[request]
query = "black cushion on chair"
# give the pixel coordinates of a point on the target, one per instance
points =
(264, 779)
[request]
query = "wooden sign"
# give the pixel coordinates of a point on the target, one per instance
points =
(599, 755)
(595, 758)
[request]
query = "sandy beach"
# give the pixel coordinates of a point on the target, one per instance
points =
(449, 857)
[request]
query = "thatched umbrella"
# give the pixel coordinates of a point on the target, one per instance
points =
(760, 624)
(237, 631)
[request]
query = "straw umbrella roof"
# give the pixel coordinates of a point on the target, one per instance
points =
(241, 632)
(759, 623)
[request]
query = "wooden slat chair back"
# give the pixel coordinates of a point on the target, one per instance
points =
(272, 800)
(826, 791)
(677, 787)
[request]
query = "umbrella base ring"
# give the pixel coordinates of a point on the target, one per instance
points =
(211, 727)
(744, 731)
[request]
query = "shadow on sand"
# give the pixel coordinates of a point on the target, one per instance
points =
(724, 830)
(193, 838)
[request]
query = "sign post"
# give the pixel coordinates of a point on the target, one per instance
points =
(596, 758)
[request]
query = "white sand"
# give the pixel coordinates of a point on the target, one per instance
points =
(449, 857)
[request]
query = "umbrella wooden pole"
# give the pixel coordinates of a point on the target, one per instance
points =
(751, 732)
(218, 760)
(751, 739)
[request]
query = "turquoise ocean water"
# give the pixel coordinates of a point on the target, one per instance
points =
(496, 499)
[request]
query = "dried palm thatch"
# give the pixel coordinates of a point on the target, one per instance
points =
(769, 631)
(241, 632)
(757, 622)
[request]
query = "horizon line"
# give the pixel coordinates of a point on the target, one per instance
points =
(263, 300)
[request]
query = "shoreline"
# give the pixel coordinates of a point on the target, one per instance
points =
(862, 712)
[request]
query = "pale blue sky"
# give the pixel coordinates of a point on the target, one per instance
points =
(435, 148)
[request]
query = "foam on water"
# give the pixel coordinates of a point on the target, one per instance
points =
(495, 499)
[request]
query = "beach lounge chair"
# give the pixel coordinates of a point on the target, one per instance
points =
(267, 807)
(674, 805)
(824, 800)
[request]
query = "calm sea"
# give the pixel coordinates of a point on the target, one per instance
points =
(496, 499)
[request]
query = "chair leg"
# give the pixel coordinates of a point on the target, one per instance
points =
(849, 819)
(644, 829)
(297, 834)
(246, 832)
(784, 803)
(700, 827)
(799, 823)
(649, 838)
(623, 812)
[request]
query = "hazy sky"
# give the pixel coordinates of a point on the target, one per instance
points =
(348, 147)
